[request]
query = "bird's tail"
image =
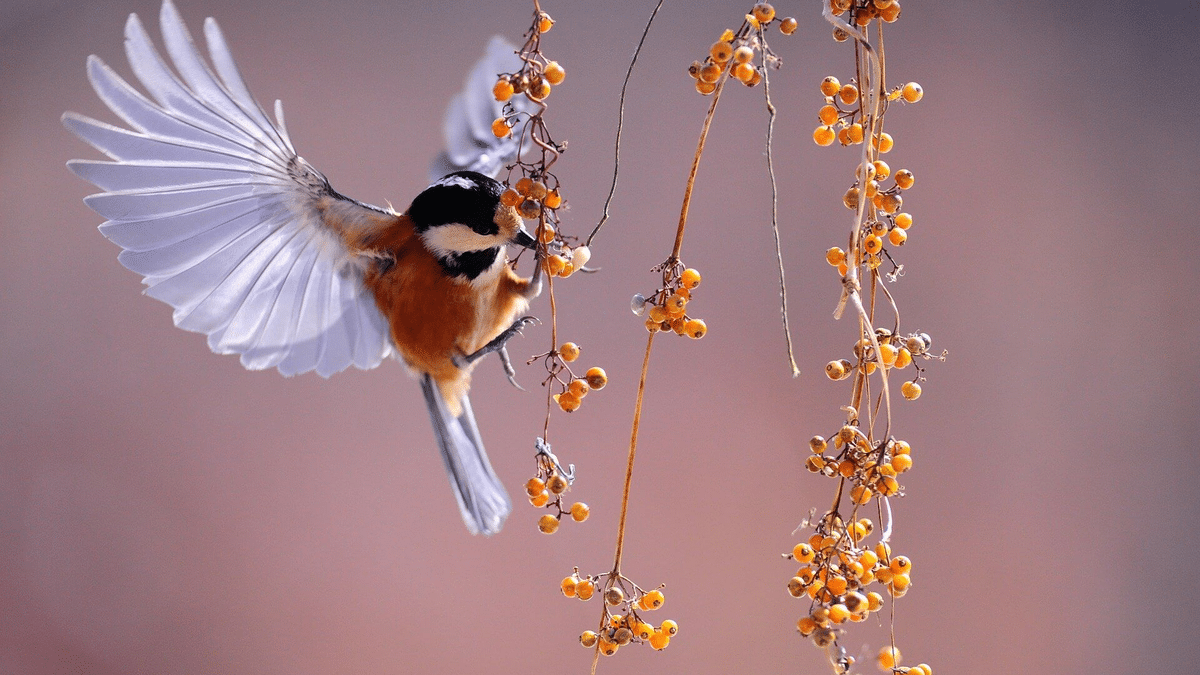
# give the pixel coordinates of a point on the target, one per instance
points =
(481, 497)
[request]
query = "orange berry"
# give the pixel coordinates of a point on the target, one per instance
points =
(669, 627)
(912, 92)
(538, 90)
(883, 143)
(823, 135)
(580, 512)
(705, 88)
(904, 179)
(806, 625)
(834, 370)
(835, 256)
(891, 203)
(901, 565)
(855, 133)
(889, 657)
(836, 584)
(500, 128)
(872, 244)
(578, 387)
(720, 51)
(828, 114)
(898, 237)
(882, 170)
(510, 197)
(644, 631)
(503, 90)
(608, 648)
(596, 378)
(744, 72)
(743, 54)
(554, 73)
(540, 499)
(554, 264)
(763, 12)
(803, 553)
(903, 221)
(653, 599)
(910, 390)
(675, 304)
(568, 401)
(569, 351)
(557, 484)
(900, 582)
(690, 278)
(889, 14)
(588, 639)
(830, 86)
(695, 328)
(788, 26)
(524, 184)
(534, 487)
(548, 523)
(901, 448)
(848, 94)
(660, 640)
(887, 353)
(861, 494)
(585, 589)
(545, 23)
(817, 444)
(838, 613)
(850, 199)
(902, 463)
(568, 585)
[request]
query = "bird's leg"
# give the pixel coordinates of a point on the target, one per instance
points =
(534, 288)
(497, 343)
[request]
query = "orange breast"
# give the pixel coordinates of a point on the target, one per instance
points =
(433, 317)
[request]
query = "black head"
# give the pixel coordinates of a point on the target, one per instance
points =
(463, 197)
(462, 222)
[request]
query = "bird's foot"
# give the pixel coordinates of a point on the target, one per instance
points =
(497, 343)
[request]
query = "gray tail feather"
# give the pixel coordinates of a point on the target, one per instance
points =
(481, 497)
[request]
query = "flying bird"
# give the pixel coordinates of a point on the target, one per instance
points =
(253, 247)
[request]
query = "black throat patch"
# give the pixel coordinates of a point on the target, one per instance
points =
(469, 264)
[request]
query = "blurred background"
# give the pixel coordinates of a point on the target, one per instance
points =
(163, 510)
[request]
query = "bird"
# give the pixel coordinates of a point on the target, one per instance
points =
(252, 246)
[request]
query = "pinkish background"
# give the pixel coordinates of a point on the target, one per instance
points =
(164, 511)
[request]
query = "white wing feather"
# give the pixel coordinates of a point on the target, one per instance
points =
(214, 208)
(467, 128)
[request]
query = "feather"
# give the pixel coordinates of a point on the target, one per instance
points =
(204, 196)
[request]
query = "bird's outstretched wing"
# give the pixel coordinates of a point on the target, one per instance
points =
(467, 127)
(224, 220)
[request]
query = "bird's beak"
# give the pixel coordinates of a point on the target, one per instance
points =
(522, 238)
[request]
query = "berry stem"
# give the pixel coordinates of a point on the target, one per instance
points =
(687, 193)
(637, 419)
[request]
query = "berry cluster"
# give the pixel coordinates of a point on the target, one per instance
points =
(870, 468)
(668, 305)
(536, 193)
(548, 488)
(734, 54)
(837, 570)
(895, 351)
(572, 388)
(622, 624)
(863, 12)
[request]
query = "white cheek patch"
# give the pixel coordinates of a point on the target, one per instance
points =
(457, 238)
(457, 181)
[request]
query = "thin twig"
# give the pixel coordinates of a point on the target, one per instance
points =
(621, 123)
(787, 332)
(687, 193)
